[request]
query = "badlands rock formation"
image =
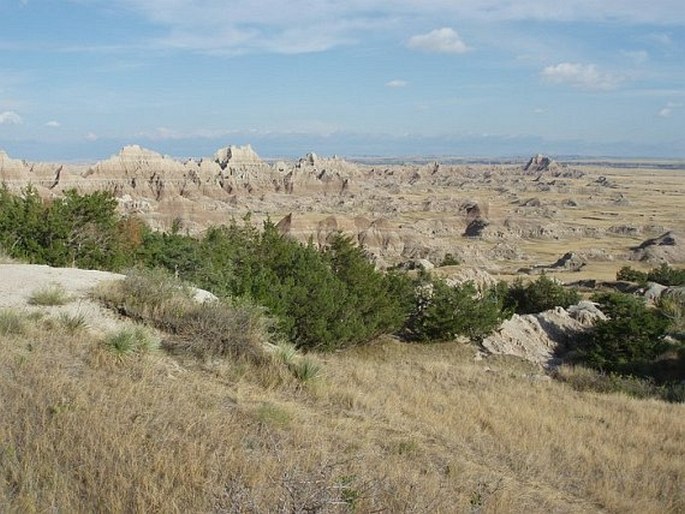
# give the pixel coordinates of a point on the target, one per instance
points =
(668, 247)
(541, 338)
(499, 217)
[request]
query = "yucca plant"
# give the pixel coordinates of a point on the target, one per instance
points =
(72, 322)
(49, 296)
(130, 341)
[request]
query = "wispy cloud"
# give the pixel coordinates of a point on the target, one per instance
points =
(397, 83)
(581, 76)
(215, 28)
(53, 124)
(445, 40)
(637, 56)
(667, 111)
(270, 12)
(244, 26)
(659, 38)
(10, 118)
(91, 136)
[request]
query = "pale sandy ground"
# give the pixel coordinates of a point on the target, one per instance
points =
(19, 281)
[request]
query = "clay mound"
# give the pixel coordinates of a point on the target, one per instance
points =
(374, 235)
(532, 202)
(11, 169)
(313, 174)
(381, 238)
(668, 247)
(478, 276)
(541, 338)
(17, 174)
(507, 251)
(237, 156)
(539, 163)
(476, 227)
(137, 171)
(603, 182)
(134, 161)
(570, 261)
(473, 210)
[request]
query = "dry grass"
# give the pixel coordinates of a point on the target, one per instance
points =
(51, 295)
(214, 329)
(5, 258)
(388, 428)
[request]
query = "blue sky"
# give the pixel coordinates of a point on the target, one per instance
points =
(80, 78)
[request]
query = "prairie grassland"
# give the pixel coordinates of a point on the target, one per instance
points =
(387, 428)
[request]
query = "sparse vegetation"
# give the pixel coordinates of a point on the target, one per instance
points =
(130, 341)
(12, 322)
(49, 296)
(72, 323)
(227, 328)
(450, 260)
(306, 370)
(587, 379)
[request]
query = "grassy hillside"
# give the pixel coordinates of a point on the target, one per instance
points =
(389, 427)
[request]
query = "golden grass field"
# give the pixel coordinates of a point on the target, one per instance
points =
(390, 427)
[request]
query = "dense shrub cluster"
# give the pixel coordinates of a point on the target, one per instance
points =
(664, 274)
(443, 312)
(324, 299)
(633, 342)
(538, 296)
(630, 274)
(76, 230)
(631, 337)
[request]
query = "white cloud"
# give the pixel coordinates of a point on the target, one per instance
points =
(397, 83)
(444, 40)
(10, 118)
(667, 111)
(539, 110)
(90, 136)
(581, 76)
(53, 124)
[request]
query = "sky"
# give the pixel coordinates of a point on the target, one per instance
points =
(391, 78)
